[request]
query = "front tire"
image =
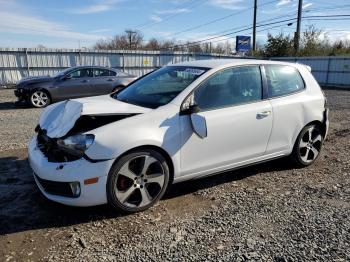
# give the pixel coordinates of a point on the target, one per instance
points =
(307, 146)
(137, 181)
(39, 98)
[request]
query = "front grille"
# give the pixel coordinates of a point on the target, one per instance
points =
(56, 188)
(48, 146)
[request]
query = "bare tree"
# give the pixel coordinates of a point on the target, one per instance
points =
(153, 44)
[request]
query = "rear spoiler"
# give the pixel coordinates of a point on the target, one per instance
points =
(308, 68)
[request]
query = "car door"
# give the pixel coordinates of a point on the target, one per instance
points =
(103, 81)
(75, 84)
(285, 91)
(238, 121)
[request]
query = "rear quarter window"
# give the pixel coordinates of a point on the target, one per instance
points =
(283, 80)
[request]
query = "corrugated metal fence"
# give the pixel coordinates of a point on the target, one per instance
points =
(18, 63)
(328, 70)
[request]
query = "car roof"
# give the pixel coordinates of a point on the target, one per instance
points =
(215, 63)
(102, 67)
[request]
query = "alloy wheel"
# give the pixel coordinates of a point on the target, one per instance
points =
(310, 144)
(139, 181)
(39, 99)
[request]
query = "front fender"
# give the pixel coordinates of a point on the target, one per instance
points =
(150, 129)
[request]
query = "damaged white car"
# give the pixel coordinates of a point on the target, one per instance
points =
(180, 122)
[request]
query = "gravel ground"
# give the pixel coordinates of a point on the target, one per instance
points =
(268, 212)
(17, 125)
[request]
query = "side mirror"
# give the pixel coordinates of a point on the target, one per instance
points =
(199, 125)
(192, 109)
(198, 122)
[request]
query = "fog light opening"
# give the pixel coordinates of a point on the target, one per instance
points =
(75, 187)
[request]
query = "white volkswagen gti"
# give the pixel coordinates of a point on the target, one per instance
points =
(180, 122)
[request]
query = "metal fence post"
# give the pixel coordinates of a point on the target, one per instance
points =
(79, 56)
(27, 61)
(123, 61)
(328, 67)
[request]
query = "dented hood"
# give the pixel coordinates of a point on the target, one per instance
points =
(57, 119)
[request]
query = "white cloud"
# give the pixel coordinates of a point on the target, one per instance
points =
(172, 11)
(102, 30)
(91, 9)
(307, 5)
(228, 4)
(100, 6)
(21, 23)
(156, 18)
(283, 2)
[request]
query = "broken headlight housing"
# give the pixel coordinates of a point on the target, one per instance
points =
(76, 145)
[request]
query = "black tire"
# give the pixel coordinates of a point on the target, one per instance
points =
(303, 156)
(39, 98)
(133, 161)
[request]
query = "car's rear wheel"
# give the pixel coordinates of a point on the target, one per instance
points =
(40, 98)
(308, 145)
(137, 181)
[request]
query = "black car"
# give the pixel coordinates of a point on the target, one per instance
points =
(72, 82)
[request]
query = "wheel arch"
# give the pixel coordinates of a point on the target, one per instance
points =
(319, 124)
(158, 149)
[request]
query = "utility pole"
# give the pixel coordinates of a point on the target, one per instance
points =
(297, 33)
(130, 33)
(254, 25)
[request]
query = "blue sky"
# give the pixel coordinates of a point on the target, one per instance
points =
(70, 23)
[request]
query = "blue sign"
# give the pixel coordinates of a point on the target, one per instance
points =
(243, 43)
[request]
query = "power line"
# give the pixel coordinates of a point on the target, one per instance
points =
(152, 22)
(260, 25)
(194, 3)
(245, 10)
(219, 19)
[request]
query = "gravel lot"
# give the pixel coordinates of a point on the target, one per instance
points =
(265, 212)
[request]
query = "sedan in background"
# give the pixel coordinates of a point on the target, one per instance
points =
(74, 82)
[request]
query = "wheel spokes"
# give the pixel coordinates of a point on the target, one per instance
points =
(303, 144)
(314, 151)
(148, 160)
(310, 133)
(123, 196)
(305, 158)
(318, 138)
(125, 171)
(146, 198)
(156, 178)
(141, 180)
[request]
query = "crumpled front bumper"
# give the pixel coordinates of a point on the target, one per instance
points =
(75, 171)
(22, 94)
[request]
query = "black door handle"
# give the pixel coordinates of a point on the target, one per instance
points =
(85, 81)
(110, 80)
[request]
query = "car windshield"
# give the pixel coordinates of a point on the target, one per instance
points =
(62, 73)
(160, 87)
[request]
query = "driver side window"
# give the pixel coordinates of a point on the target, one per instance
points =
(85, 72)
(230, 87)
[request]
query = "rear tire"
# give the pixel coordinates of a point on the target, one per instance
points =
(39, 98)
(307, 146)
(137, 181)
